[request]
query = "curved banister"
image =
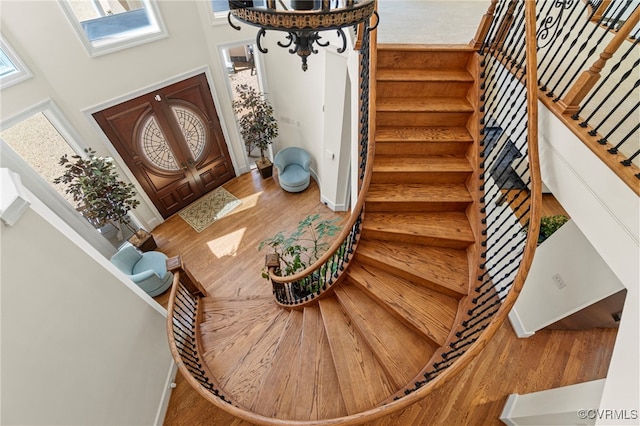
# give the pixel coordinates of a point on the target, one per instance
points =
(351, 229)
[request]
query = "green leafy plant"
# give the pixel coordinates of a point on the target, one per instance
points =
(303, 246)
(258, 126)
(549, 225)
(93, 183)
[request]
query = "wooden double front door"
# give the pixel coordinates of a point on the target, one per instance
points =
(172, 141)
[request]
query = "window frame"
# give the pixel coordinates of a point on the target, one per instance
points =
(21, 73)
(153, 12)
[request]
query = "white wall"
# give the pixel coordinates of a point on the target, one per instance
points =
(586, 276)
(79, 345)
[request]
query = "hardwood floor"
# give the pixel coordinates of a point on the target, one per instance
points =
(224, 257)
(213, 255)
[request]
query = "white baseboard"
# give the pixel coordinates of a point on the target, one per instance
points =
(166, 395)
(517, 325)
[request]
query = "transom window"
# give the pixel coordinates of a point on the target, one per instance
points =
(109, 25)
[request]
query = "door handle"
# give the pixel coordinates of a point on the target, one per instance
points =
(184, 167)
(191, 163)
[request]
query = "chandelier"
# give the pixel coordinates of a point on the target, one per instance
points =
(302, 20)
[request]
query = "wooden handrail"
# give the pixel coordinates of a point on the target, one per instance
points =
(571, 102)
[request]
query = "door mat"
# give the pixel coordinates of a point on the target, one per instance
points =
(211, 207)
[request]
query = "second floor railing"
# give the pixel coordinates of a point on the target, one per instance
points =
(588, 73)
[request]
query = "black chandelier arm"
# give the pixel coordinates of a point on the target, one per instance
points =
(344, 41)
(261, 33)
(235, 27)
(290, 38)
(316, 38)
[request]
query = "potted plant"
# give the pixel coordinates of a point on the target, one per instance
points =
(549, 225)
(302, 247)
(93, 183)
(258, 126)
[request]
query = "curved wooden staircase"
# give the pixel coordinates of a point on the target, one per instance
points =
(357, 347)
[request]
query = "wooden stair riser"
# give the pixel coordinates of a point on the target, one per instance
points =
(421, 59)
(421, 89)
(417, 206)
(419, 177)
(422, 141)
(423, 240)
(445, 169)
(422, 148)
(426, 119)
(451, 230)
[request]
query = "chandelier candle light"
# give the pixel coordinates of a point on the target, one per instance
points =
(302, 20)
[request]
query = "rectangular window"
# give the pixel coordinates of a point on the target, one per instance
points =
(12, 70)
(106, 26)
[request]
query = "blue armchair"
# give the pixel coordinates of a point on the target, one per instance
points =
(293, 168)
(148, 270)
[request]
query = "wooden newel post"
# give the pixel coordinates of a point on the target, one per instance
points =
(272, 261)
(175, 264)
(485, 24)
(570, 104)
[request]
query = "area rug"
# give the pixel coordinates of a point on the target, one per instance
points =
(211, 207)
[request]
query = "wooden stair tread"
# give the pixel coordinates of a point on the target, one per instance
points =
(226, 318)
(240, 364)
(437, 75)
(400, 350)
(440, 163)
(317, 388)
(435, 104)
(430, 313)
(418, 192)
(422, 134)
(275, 396)
(363, 382)
(446, 229)
(440, 268)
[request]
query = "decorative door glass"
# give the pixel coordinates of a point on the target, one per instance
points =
(193, 129)
(155, 147)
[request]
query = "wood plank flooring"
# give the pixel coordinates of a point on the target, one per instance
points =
(213, 254)
(225, 258)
